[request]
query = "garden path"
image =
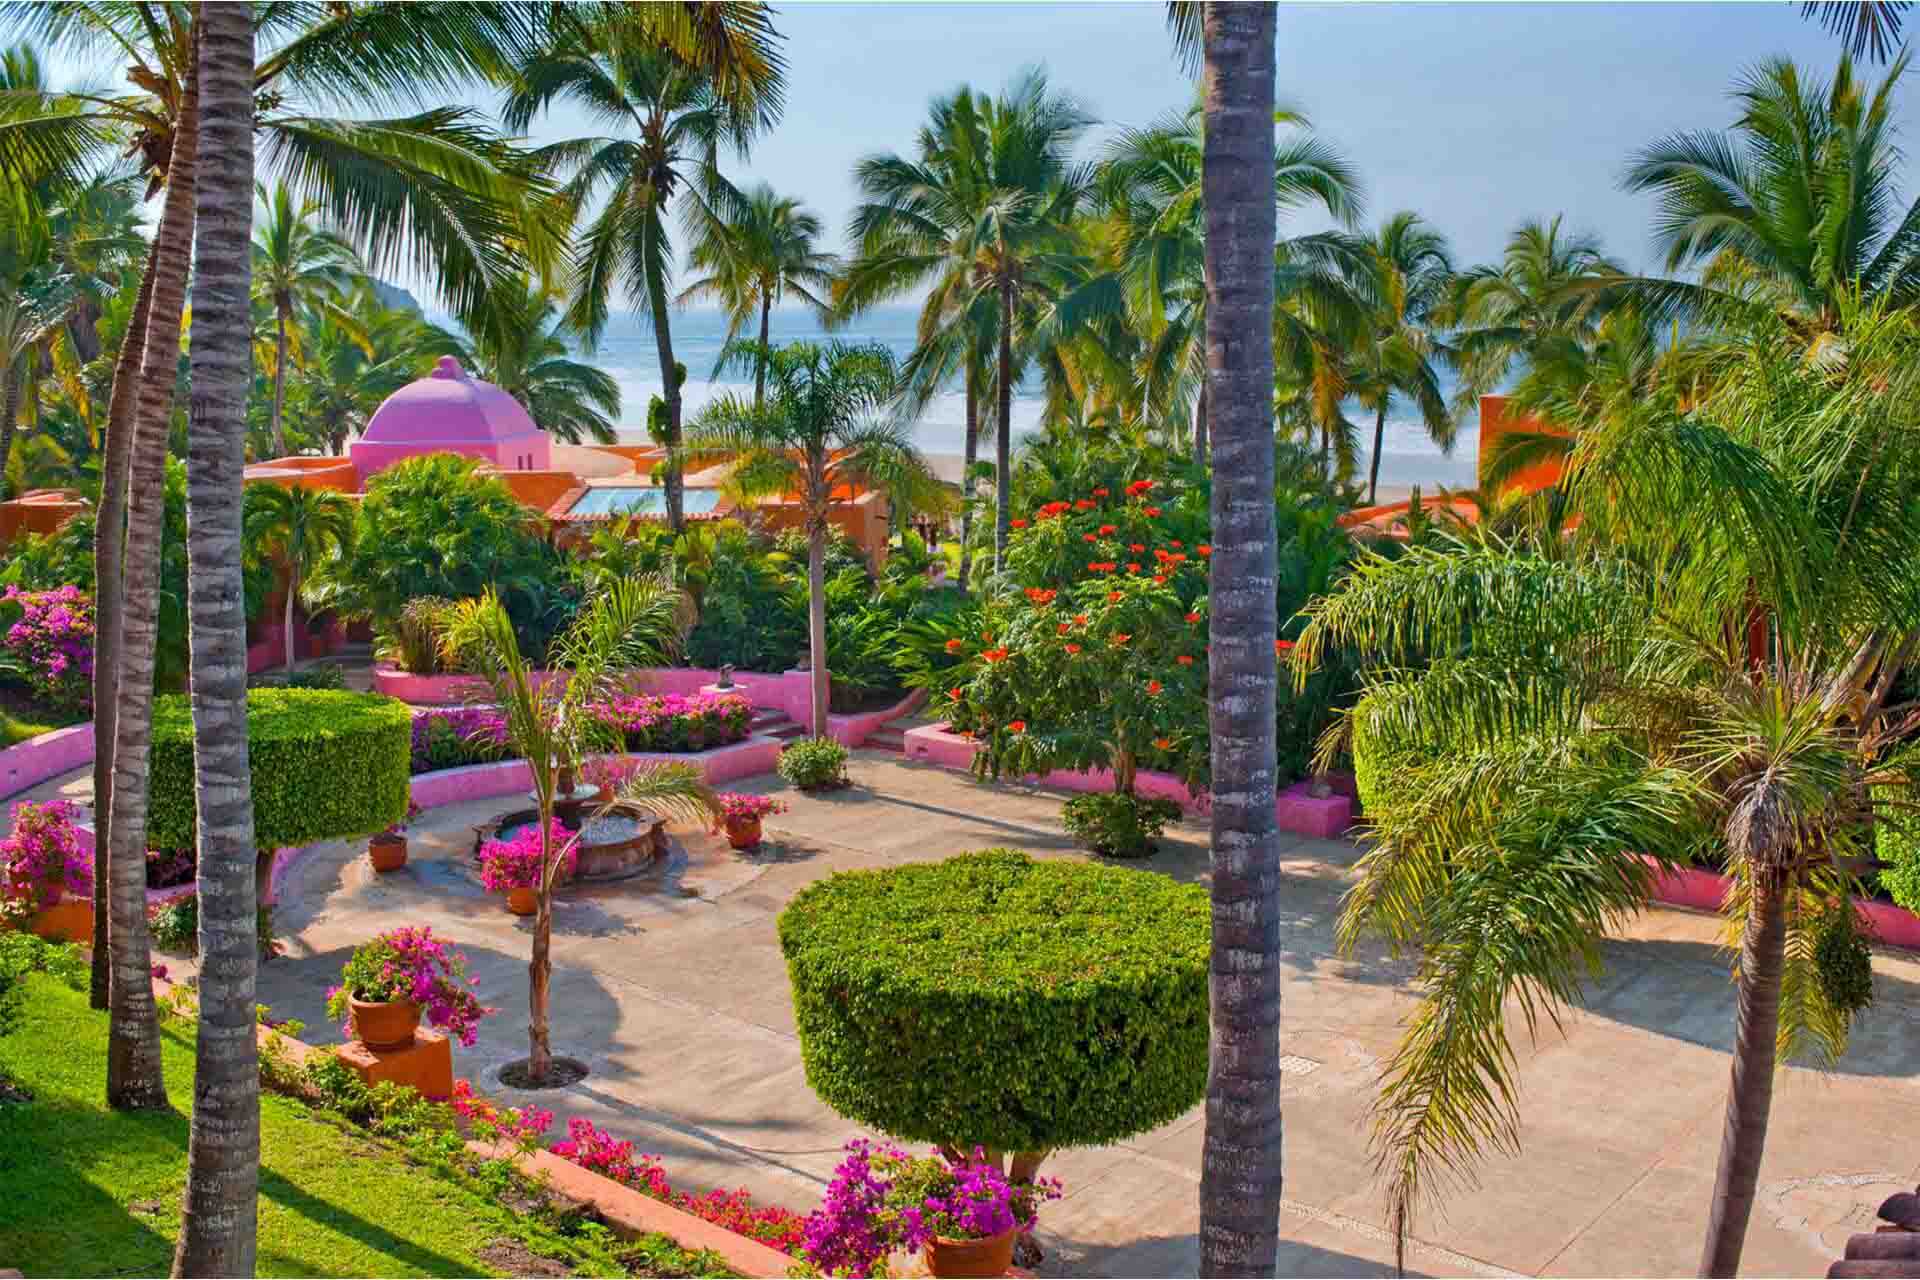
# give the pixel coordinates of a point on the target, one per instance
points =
(672, 988)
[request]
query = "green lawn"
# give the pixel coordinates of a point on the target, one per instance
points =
(18, 728)
(89, 1192)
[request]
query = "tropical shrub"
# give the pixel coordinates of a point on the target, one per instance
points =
(992, 1000)
(411, 640)
(409, 963)
(676, 722)
(326, 764)
(175, 927)
(42, 856)
(814, 764)
(516, 863)
(50, 646)
(1117, 824)
(321, 675)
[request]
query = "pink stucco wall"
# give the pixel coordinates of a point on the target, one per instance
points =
(851, 731)
(30, 763)
(1703, 890)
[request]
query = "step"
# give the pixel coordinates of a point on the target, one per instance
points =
(887, 738)
(786, 732)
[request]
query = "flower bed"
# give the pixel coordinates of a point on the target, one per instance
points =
(53, 642)
(677, 722)
(448, 737)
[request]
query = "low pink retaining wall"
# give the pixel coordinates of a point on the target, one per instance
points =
(755, 754)
(30, 763)
(1703, 890)
(787, 691)
(1296, 809)
(851, 731)
(434, 691)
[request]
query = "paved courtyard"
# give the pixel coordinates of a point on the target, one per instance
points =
(672, 988)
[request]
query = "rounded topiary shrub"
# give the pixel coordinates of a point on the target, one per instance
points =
(326, 764)
(997, 1001)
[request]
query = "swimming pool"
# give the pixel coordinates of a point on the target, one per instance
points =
(639, 500)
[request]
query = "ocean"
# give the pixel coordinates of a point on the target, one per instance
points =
(627, 352)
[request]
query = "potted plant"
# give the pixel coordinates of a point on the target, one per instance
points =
(42, 862)
(387, 850)
(741, 814)
(391, 979)
(513, 866)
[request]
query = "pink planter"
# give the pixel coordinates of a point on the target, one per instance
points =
(434, 691)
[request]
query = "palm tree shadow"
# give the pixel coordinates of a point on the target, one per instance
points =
(295, 1200)
(1179, 1255)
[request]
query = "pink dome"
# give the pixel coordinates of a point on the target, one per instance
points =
(450, 411)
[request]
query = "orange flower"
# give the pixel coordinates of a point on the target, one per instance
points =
(1185, 659)
(1203, 550)
(1107, 529)
(1178, 557)
(1080, 618)
(1064, 628)
(1100, 493)
(1018, 524)
(1150, 511)
(1165, 744)
(994, 655)
(1136, 547)
(1114, 597)
(1174, 542)
(1193, 617)
(1041, 595)
(1158, 554)
(1283, 646)
(1016, 726)
(954, 693)
(953, 645)
(1073, 648)
(1122, 638)
(1134, 567)
(1087, 537)
(1084, 504)
(1154, 686)
(1159, 579)
(1138, 487)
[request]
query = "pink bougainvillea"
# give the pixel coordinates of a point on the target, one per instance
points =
(53, 641)
(42, 856)
(506, 865)
(409, 963)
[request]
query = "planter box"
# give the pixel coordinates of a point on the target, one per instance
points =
(435, 691)
(70, 919)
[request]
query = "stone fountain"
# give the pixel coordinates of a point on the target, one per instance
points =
(616, 841)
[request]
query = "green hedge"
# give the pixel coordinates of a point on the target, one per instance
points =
(994, 1000)
(1377, 771)
(1896, 834)
(326, 764)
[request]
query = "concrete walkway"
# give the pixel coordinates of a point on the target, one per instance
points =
(673, 989)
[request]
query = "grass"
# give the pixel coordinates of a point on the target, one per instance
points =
(93, 1192)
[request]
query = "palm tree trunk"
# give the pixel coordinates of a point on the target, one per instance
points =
(972, 455)
(293, 580)
(1200, 428)
(1379, 439)
(817, 613)
(133, 1046)
(281, 307)
(1003, 433)
(760, 360)
(108, 545)
(81, 333)
(663, 340)
(10, 407)
(217, 1228)
(540, 963)
(1743, 1138)
(1240, 1161)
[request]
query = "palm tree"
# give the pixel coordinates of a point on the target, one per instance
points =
(982, 216)
(754, 258)
(679, 121)
(1795, 208)
(1240, 1162)
(1405, 285)
(1710, 674)
(97, 241)
(520, 349)
(816, 434)
(353, 357)
(1866, 27)
(301, 529)
(33, 308)
(295, 265)
(217, 1229)
(632, 623)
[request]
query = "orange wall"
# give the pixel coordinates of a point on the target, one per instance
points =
(304, 472)
(1496, 421)
(39, 511)
(863, 521)
(538, 489)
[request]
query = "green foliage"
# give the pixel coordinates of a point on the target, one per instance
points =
(1842, 962)
(1118, 824)
(991, 999)
(321, 675)
(814, 764)
(175, 927)
(326, 764)
(22, 953)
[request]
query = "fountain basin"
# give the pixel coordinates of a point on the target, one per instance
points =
(613, 845)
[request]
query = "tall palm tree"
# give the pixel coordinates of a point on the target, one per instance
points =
(631, 623)
(97, 242)
(819, 432)
(217, 1228)
(1867, 27)
(755, 257)
(1408, 272)
(356, 355)
(519, 348)
(983, 216)
(296, 266)
(1240, 1161)
(678, 121)
(1709, 675)
(1795, 208)
(33, 308)
(300, 529)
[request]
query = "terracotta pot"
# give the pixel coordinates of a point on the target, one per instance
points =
(384, 1024)
(67, 921)
(743, 833)
(523, 902)
(387, 853)
(989, 1257)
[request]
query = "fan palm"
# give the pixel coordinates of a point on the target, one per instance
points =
(1711, 677)
(1795, 208)
(819, 437)
(298, 528)
(553, 725)
(1406, 278)
(519, 348)
(980, 218)
(296, 266)
(754, 257)
(677, 119)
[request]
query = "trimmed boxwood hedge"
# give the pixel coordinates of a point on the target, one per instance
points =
(326, 764)
(994, 1000)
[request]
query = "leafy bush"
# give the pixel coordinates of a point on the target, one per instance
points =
(814, 764)
(326, 764)
(1117, 824)
(322, 675)
(1379, 774)
(997, 1001)
(175, 927)
(411, 641)
(447, 739)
